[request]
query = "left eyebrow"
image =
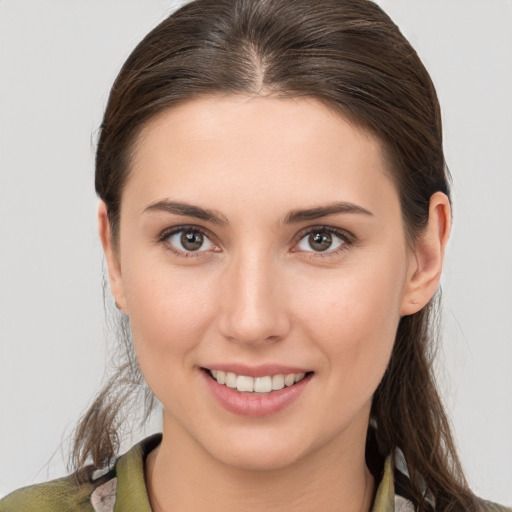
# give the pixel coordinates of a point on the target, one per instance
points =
(318, 212)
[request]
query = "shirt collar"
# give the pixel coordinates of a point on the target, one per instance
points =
(131, 495)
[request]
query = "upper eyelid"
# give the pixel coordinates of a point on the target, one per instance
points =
(167, 232)
(342, 233)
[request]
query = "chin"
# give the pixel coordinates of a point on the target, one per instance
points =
(258, 459)
(260, 449)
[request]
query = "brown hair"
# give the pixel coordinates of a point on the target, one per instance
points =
(350, 55)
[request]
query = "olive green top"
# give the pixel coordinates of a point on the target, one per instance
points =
(123, 489)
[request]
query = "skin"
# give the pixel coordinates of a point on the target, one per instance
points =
(259, 293)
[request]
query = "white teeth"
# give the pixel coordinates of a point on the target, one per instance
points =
(244, 383)
(277, 382)
(230, 380)
(289, 379)
(265, 384)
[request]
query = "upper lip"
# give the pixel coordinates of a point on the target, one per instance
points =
(257, 371)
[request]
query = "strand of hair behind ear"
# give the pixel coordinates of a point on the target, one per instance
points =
(410, 416)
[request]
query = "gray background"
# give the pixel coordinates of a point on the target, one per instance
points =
(58, 59)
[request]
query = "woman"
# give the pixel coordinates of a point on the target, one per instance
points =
(274, 216)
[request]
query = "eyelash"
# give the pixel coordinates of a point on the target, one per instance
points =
(347, 238)
(165, 235)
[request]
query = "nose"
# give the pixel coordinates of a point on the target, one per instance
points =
(253, 301)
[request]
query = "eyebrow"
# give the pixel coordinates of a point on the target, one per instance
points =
(292, 217)
(323, 211)
(187, 210)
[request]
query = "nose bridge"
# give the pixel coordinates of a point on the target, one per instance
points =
(253, 309)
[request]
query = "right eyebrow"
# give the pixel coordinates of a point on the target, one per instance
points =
(187, 210)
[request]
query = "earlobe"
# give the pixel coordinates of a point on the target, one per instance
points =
(112, 258)
(427, 261)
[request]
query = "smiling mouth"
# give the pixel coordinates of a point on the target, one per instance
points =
(256, 385)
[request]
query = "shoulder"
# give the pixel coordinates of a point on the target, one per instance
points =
(55, 496)
(122, 486)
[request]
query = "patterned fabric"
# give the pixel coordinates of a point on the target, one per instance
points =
(103, 498)
(123, 489)
(402, 505)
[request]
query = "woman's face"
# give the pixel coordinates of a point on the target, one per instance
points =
(261, 237)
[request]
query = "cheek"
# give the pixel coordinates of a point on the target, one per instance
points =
(169, 314)
(354, 321)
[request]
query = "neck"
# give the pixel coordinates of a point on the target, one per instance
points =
(180, 475)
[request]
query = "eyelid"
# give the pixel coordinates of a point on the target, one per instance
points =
(347, 237)
(168, 232)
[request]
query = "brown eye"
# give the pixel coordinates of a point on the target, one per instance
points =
(325, 240)
(191, 241)
(320, 241)
(188, 240)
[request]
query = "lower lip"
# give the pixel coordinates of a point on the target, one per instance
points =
(253, 404)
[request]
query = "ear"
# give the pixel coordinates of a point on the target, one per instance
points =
(427, 257)
(112, 258)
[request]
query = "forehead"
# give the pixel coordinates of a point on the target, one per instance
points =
(248, 148)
